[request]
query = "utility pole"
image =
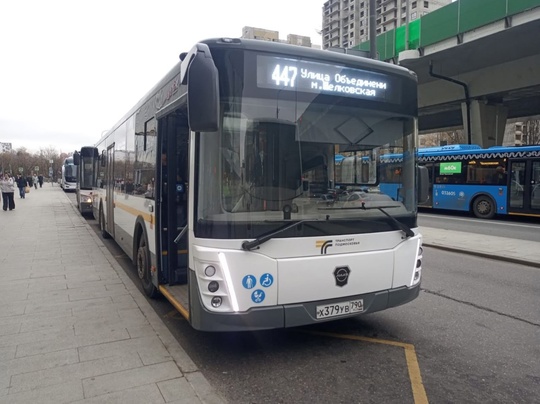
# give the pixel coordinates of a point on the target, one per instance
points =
(372, 30)
(407, 20)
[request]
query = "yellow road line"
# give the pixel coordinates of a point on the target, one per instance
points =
(418, 390)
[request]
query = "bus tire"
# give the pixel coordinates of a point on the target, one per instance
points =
(484, 207)
(104, 232)
(143, 268)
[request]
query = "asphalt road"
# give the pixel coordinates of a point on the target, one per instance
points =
(474, 333)
(516, 227)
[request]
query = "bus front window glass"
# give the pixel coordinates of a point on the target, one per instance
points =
(283, 156)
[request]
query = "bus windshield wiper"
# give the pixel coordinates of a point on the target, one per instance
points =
(405, 229)
(250, 245)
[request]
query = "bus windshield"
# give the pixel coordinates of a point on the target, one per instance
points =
(70, 171)
(285, 156)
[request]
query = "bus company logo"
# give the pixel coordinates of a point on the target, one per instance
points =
(342, 275)
(323, 245)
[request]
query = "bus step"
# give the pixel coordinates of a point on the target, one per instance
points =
(179, 276)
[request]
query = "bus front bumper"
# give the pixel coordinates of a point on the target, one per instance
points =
(294, 315)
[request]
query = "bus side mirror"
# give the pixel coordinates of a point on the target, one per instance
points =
(203, 89)
(423, 184)
(76, 158)
(103, 160)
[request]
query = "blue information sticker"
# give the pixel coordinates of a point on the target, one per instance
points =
(249, 281)
(258, 296)
(266, 280)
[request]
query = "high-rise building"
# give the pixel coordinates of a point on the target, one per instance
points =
(273, 36)
(260, 33)
(345, 23)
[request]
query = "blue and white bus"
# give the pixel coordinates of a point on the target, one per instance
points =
(211, 184)
(498, 180)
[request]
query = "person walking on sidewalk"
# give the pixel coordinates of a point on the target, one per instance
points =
(35, 180)
(21, 184)
(40, 180)
(7, 185)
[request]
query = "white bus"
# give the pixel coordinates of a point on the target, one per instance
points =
(204, 183)
(68, 181)
(85, 160)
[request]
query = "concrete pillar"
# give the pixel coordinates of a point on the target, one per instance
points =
(488, 123)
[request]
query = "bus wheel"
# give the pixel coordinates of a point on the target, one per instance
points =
(104, 233)
(484, 207)
(143, 268)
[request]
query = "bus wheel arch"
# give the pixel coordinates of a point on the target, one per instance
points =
(143, 262)
(483, 206)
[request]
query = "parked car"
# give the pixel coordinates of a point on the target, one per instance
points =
(358, 199)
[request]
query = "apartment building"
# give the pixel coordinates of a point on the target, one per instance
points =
(345, 23)
(273, 36)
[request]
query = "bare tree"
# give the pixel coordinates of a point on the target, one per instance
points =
(20, 160)
(531, 131)
(443, 138)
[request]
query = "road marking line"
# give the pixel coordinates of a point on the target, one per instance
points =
(418, 390)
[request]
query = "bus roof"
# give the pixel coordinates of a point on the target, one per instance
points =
(450, 147)
(466, 152)
(475, 151)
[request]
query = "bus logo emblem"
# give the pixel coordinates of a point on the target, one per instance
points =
(323, 245)
(342, 275)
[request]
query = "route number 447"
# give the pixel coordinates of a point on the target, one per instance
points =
(285, 76)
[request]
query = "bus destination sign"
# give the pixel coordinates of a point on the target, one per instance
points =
(321, 78)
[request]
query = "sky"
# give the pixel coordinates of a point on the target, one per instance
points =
(70, 69)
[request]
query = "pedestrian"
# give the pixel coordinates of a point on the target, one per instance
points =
(40, 180)
(35, 180)
(22, 183)
(7, 185)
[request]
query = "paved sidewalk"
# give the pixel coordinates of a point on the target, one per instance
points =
(502, 248)
(73, 326)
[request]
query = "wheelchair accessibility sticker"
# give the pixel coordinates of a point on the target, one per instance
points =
(266, 280)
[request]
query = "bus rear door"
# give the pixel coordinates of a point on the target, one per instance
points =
(524, 187)
(109, 196)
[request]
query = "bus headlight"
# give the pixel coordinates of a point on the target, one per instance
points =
(417, 273)
(216, 301)
(213, 286)
(216, 287)
(210, 271)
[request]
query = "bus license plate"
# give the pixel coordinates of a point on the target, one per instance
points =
(340, 309)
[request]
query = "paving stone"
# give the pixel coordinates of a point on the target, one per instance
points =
(127, 379)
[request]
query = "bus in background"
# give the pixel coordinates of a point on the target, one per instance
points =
(68, 180)
(498, 180)
(205, 184)
(85, 160)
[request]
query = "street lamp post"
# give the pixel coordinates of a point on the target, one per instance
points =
(51, 177)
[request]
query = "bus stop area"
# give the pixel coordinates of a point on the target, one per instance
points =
(74, 327)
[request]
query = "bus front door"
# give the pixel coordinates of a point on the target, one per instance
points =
(524, 187)
(174, 133)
